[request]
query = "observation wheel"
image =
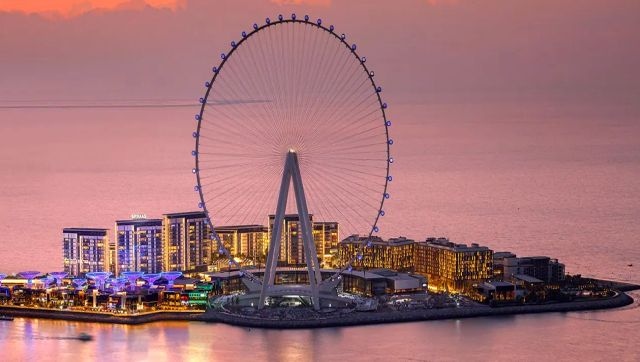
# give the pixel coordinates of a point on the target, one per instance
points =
(292, 85)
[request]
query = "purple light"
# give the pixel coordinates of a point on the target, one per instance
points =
(79, 283)
(2, 276)
(151, 278)
(170, 277)
(132, 276)
(99, 278)
(59, 276)
(28, 275)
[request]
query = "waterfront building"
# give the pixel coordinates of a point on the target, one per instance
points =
(379, 282)
(395, 253)
(246, 241)
(325, 237)
(453, 267)
(85, 250)
(544, 268)
(139, 246)
(186, 241)
(498, 263)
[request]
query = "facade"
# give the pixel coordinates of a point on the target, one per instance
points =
(186, 241)
(325, 238)
(249, 241)
(544, 268)
(139, 246)
(395, 253)
(85, 250)
(379, 282)
(453, 267)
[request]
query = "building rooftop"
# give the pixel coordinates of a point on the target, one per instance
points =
(528, 279)
(444, 243)
(193, 214)
(139, 222)
(86, 231)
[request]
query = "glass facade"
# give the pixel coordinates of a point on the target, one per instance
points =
(186, 240)
(139, 246)
(85, 250)
(245, 241)
(395, 253)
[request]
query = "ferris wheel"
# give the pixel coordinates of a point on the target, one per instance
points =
(293, 88)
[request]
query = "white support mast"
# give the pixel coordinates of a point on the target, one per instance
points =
(291, 173)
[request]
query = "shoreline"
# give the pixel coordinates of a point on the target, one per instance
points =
(352, 319)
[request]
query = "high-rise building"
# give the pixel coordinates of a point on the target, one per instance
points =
(138, 244)
(395, 253)
(453, 267)
(325, 237)
(186, 241)
(248, 241)
(85, 250)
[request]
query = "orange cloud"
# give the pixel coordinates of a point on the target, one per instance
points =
(71, 8)
(300, 2)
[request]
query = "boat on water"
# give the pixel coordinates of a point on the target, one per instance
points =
(85, 337)
(6, 318)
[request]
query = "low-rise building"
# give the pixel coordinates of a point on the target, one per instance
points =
(544, 268)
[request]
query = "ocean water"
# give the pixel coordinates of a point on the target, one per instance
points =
(532, 178)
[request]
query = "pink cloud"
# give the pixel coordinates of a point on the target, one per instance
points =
(72, 8)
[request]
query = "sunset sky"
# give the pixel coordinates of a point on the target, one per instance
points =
(424, 50)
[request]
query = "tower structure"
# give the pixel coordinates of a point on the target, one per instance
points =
(291, 174)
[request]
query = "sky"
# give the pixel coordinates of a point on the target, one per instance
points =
(423, 50)
(473, 89)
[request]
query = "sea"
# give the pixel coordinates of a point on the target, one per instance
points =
(556, 178)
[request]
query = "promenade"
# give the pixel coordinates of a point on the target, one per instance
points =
(292, 318)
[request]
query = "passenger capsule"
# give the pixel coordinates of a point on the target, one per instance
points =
(215, 69)
(195, 134)
(379, 89)
(388, 123)
(389, 178)
(267, 20)
(293, 16)
(381, 212)
(319, 22)
(201, 100)
(384, 106)
(194, 170)
(194, 153)
(390, 159)
(386, 195)
(207, 84)
(200, 205)
(280, 17)
(306, 18)
(353, 47)
(343, 36)
(233, 44)
(376, 229)
(363, 59)
(197, 117)
(390, 142)
(372, 73)
(223, 56)
(244, 34)
(196, 188)
(331, 28)
(255, 26)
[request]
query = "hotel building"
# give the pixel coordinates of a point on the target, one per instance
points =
(543, 268)
(186, 241)
(138, 245)
(85, 250)
(395, 253)
(249, 241)
(453, 267)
